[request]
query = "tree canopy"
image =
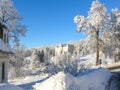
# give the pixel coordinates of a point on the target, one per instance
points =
(11, 19)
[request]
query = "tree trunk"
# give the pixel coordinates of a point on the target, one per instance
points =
(97, 47)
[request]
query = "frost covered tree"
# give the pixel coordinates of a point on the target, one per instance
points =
(35, 59)
(113, 35)
(115, 19)
(94, 24)
(11, 19)
(16, 61)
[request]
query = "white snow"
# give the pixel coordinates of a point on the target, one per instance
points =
(95, 79)
(27, 82)
(5, 47)
(57, 82)
(27, 79)
(90, 60)
(7, 86)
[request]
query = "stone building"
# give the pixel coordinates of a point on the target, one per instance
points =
(5, 50)
(64, 48)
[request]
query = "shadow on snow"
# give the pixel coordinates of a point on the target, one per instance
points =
(28, 86)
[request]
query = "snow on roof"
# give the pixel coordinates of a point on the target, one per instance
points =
(5, 47)
(96, 79)
(7, 86)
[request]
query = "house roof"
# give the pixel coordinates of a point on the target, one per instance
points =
(5, 48)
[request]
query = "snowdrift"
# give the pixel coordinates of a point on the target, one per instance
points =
(95, 79)
(57, 82)
(9, 87)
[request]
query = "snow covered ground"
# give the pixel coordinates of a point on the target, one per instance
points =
(90, 60)
(87, 60)
(95, 79)
(7, 86)
(27, 82)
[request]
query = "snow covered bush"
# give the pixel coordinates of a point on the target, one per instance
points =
(16, 62)
(65, 63)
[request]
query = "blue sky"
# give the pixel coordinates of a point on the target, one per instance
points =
(51, 22)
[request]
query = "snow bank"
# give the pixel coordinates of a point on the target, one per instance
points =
(9, 87)
(93, 80)
(57, 82)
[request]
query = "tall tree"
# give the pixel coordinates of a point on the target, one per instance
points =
(115, 20)
(115, 30)
(94, 24)
(11, 19)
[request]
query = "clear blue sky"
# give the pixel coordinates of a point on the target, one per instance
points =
(51, 21)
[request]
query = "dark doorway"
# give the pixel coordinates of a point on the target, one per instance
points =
(1, 33)
(3, 71)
